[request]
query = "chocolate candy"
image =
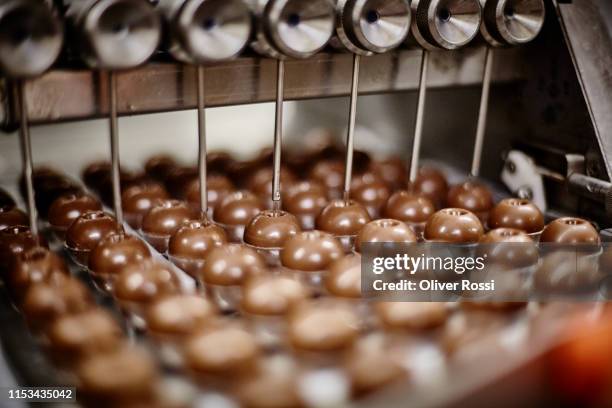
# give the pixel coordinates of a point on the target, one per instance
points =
(178, 179)
(310, 251)
(471, 196)
(385, 230)
(13, 241)
(454, 225)
(11, 217)
(343, 278)
(137, 200)
(411, 315)
(163, 219)
(176, 315)
(516, 213)
(144, 282)
(343, 219)
(95, 174)
(392, 171)
(323, 326)
(508, 247)
(158, 167)
(270, 229)
(432, 184)
(305, 200)
(409, 207)
(217, 188)
(570, 230)
(115, 252)
(271, 295)
(371, 193)
(260, 183)
(218, 162)
(329, 173)
(192, 242)
(67, 208)
(34, 265)
(235, 211)
(87, 231)
(127, 180)
(6, 200)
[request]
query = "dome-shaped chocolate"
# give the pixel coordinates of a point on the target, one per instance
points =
(409, 207)
(343, 278)
(12, 217)
(260, 182)
(47, 193)
(432, 184)
(570, 230)
(115, 252)
(218, 162)
(89, 229)
(137, 200)
(322, 326)
(95, 174)
(67, 208)
(158, 167)
(166, 216)
(32, 266)
(342, 218)
(412, 315)
(6, 200)
(224, 351)
(217, 188)
(271, 229)
(330, 173)
(508, 247)
(310, 251)
(455, 225)
(516, 213)
(179, 314)
(385, 230)
(305, 200)
(272, 295)
(471, 196)
(13, 241)
(195, 239)
(231, 264)
(179, 178)
(237, 208)
(372, 194)
(145, 281)
(392, 171)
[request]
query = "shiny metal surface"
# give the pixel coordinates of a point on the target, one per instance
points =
(160, 87)
(115, 34)
(420, 117)
(446, 24)
(204, 31)
(26, 160)
(278, 133)
(293, 28)
(372, 26)
(512, 22)
(481, 124)
(350, 134)
(202, 164)
(30, 38)
(114, 145)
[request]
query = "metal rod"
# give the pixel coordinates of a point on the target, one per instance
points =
(420, 116)
(114, 143)
(278, 134)
(26, 157)
(350, 134)
(202, 142)
(482, 112)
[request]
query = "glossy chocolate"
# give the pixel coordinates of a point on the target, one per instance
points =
(166, 216)
(145, 281)
(323, 325)
(260, 182)
(158, 167)
(272, 295)
(13, 241)
(237, 208)
(48, 192)
(218, 162)
(570, 230)
(329, 173)
(270, 229)
(305, 200)
(508, 247)
(12, 217)
(231, 264)
(432, 184)
(516, 213)
(471, 196)
(343, 278)
(179, 314)
(217, 188)
(411, 315)
(95, 174)
(6, 200)
(454, 225)
(115, 252)
(373, 195)
(223, 351)
(138, 199)
(342, 218)
(393, 171)
(409, 207)
(67, 208)
(179, 178)
(311, 251)
(89, 229)
(195, 239)
(385, 230)
(127, 180)
(32, 266)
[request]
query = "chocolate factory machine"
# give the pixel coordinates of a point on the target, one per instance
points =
(211, 283)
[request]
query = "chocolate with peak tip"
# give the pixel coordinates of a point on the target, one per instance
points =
(270, 229)
(385, 230)
(137, 200)
(12, 217)
(68, 207)
(13, 241)
(237, 208)
(34, 265)
(342, 218)
(516, 213)
(454, 225)
(166, 216)
(570, 230)
(115, 251)
(195, 239)
(89, 229)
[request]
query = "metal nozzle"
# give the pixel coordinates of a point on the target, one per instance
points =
(207, 30)
(30, 38)
(294, 28)
(446, 24)
(116, 34)
(373, 26)
(512, 22)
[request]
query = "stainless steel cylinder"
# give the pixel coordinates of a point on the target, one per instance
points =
(202, 31)
(30, 38)
(372, 26)
(115, 34)
(512, 22)
(292, 28)
(445, 24)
